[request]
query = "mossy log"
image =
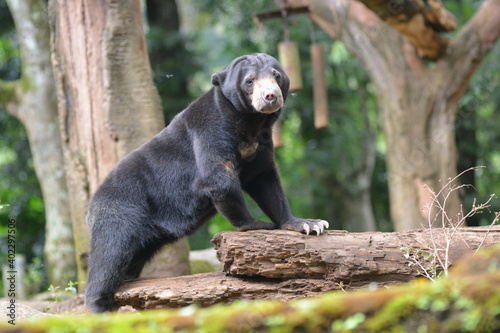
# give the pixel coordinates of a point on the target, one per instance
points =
(467, 301)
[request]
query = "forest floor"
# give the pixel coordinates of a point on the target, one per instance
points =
(34, 309)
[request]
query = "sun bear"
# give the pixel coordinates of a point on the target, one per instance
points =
(197, 166)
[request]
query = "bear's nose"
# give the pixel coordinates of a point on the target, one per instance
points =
(269, 95)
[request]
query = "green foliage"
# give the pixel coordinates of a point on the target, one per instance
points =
(7, 52)
(172, 64)
(203, 266)
(19, 189)
(35, 277)
(71, 288)
(54, 291)
(57, 294)
(477, 133)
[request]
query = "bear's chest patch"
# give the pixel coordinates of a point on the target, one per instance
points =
(247, 149)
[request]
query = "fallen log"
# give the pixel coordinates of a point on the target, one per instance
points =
(349, 258)
(286, 265)
(210, 288)
(466, 301)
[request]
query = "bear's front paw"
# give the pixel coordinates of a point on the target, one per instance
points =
(306, 226)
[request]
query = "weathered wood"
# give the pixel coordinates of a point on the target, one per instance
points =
(286, 265)
(210, 288)
(350, 258)
(290, 61)
(320, 88)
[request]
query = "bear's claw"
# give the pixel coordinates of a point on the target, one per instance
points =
(307, 226)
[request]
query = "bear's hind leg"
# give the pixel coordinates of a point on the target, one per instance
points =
(140, 260)
(105, 275)
(112, 262)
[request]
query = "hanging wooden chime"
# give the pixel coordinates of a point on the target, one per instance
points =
(277, 141)
(321, 119)
(288, 53)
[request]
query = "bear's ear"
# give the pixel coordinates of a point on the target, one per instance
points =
(218, 78)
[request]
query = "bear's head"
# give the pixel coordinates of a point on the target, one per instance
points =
(254, 83)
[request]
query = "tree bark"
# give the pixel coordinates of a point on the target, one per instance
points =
(108, 105)
(418, 104)
(354, 259)
(32, 100)
(419, 21)
(211, 288)
(287, 265)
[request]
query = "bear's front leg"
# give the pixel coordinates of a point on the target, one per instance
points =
(267, 192)
(232, 206)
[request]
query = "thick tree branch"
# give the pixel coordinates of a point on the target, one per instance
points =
(367, 37)
(419, 21)
(469, 48)
(435, 15)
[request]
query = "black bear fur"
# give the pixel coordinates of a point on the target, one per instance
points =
(197, 166)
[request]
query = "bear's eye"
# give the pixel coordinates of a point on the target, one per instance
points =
(277, 75)
(249, 81)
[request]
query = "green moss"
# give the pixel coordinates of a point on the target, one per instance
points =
(25, 81)
(8, 92)
(203, 266)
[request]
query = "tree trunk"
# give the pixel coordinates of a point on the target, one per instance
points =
(33, 102)
(418, 104)
(286, 265)
(108, 105)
